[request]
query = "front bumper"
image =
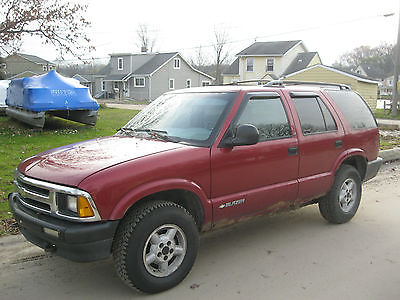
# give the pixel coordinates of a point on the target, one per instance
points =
(373, 168)
(72, 240)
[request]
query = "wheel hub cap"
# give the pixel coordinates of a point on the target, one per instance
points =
(164, 250)
(348, 195)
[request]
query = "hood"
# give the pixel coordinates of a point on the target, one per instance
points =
(69, 165)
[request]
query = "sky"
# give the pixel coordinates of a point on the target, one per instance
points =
(328, 27)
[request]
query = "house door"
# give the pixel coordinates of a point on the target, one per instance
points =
(126, 88)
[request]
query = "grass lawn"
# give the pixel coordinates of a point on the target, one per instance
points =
(18, 141)
(380, 114)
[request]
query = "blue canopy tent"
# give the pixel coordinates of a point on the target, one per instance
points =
(29, 98)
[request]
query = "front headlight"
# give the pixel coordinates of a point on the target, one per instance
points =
(74, 206)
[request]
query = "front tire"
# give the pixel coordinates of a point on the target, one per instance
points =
(155, 246)
(342, 201)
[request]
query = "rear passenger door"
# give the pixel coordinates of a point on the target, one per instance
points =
(320, 143)
(260, 177)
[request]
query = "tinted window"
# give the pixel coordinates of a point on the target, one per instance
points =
(310, 115)
(268, 115)
(329, 121)
(354, 109)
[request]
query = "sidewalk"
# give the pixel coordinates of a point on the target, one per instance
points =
(388, 124)
(126, 106)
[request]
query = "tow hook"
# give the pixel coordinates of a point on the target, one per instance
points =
(50, 248)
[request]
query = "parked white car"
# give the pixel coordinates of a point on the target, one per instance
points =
(3, 95)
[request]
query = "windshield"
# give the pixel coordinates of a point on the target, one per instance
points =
(189, 117)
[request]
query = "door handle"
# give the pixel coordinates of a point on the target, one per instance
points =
(293, 151)
(338, 144)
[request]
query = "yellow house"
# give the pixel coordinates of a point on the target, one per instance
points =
(269, 61)
(365, 86)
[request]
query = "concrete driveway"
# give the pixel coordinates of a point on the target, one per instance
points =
(293, 255)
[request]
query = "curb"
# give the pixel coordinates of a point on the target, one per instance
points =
(390, 155)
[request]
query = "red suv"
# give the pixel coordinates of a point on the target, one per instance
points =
(191, 161)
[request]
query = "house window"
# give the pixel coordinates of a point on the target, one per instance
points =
(103, 85)
(120, 63)
(249, 64)
(171, 83)
(45, 68)
(177, 63)
(139, 82)
(270, 65)
(205, 83)
(188, 83)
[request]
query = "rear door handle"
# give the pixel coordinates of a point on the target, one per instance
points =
(293, 151)
(338, 144)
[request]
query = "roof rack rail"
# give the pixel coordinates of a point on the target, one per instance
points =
(282, 83)
(258, 81)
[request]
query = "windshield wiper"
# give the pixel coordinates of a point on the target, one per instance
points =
(125, 129)
(149, 130)
(158, 134)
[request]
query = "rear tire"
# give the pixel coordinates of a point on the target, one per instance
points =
(155, 246)
(342, 201)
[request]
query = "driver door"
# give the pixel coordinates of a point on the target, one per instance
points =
(252, 179)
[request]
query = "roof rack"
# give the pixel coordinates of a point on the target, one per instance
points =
(258, 81)
(281, 83)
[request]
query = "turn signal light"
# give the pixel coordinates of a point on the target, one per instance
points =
(84, 208)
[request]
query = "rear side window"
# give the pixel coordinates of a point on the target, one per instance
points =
(314, 116)
(354, 109)
(268, 115)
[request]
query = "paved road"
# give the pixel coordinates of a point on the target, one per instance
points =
(294, 255)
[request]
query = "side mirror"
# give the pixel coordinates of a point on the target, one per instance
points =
(246, 134)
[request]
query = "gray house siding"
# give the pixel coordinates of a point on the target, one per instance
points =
(16, 64)
(139, 93)
(156, 68)
(126, 67)
(160, 79)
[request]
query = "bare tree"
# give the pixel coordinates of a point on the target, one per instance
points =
(199, 60)
(220, 51)
(146, 42)
(379, 57)
(57, 23)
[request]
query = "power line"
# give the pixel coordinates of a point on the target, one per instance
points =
(254, 37)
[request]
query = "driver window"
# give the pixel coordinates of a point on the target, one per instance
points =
(268, 115)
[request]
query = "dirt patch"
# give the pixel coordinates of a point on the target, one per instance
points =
(9, 226)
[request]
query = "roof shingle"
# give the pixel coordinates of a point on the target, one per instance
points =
(300, 62)
(278, 48)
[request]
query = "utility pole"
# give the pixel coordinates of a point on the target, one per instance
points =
(396, 74)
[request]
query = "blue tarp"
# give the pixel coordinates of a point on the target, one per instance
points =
(50, 91)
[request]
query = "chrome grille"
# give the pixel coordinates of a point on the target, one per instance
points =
(33, 196)
(41, 196)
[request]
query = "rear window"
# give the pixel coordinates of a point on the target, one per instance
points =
(354, 108)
